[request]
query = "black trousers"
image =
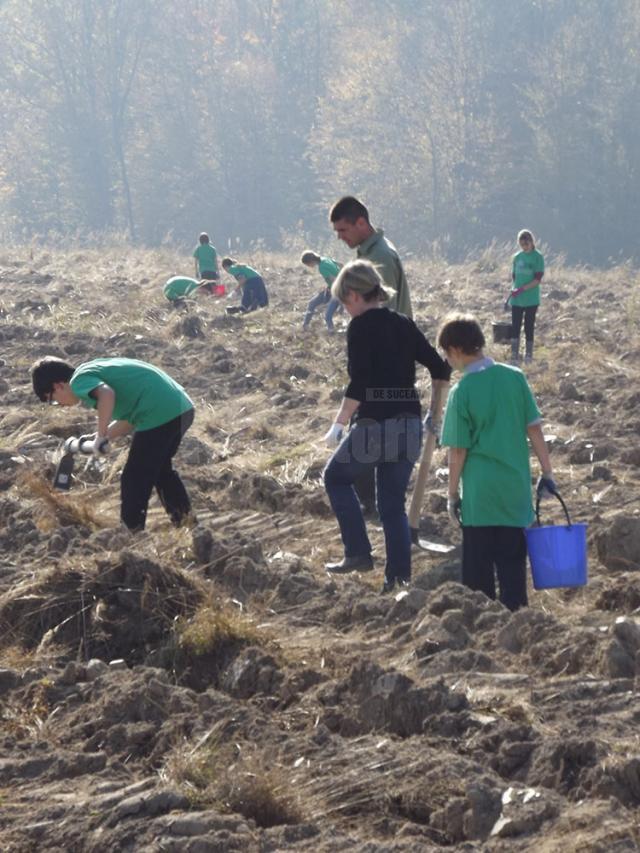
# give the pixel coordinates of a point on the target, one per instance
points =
(487, 551)
(529, 314)
(149, 466)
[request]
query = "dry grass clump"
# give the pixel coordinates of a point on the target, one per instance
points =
(27, 718)
(213, 626)
(236, 778)
(60, 510)
(123, 606)
(202, 645)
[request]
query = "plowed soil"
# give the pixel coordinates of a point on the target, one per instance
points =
(212, 688)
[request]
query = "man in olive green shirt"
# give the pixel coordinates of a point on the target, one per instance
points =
(350, 220)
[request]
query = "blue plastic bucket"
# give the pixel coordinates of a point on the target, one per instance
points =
(558, 553)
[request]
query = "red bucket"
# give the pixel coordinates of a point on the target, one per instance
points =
(219, 290)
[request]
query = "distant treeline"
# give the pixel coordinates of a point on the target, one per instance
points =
(457, 122)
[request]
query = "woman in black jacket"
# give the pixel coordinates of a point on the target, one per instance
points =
(382, 402)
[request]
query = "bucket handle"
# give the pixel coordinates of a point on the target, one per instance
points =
(564, 507)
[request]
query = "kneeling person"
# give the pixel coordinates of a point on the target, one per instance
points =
(141, 398)
(250, 282)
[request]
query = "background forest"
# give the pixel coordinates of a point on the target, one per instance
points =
(457, 122)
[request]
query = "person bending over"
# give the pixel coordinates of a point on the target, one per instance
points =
(328, 269)
(140, 398)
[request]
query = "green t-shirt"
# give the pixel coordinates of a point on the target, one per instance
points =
(239, 271)
(524, 267)
(179, 286)
(488, 412)
(328, 269)
(207, 257)
(383, 255)
(146, 396)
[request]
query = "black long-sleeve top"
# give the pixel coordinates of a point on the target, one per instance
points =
(382, 349)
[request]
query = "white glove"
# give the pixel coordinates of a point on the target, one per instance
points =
(335, 435)
(454, 509)
(96, 446)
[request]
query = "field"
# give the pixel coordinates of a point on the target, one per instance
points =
(211, 688)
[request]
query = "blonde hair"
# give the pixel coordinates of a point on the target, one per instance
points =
(363, 278)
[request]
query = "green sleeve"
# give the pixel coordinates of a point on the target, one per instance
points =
(532, 412)
(456, 430)
(539, 263)
(83, 383)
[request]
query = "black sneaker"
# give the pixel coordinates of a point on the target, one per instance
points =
(350, 564)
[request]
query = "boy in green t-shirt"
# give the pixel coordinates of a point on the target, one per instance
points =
(489, 414)
(328, 269)
(206, 261)
(527, 269)
(141, 398)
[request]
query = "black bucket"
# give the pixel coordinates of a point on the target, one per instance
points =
(501, 333)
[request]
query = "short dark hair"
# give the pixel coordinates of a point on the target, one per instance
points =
(228, 262)
(204, 237)
(349, 208)
(46, 372)
(461, 331)
(309, 257)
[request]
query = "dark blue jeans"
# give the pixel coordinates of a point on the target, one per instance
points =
(322, 298)
(254, 294)
(391, 448)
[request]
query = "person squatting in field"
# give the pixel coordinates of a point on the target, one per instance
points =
(141, 398)
(328, 269)
(254, 291)
(489, 414)
(383, 347)
(527, 269)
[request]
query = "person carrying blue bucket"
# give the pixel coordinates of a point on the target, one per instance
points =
(488, 417)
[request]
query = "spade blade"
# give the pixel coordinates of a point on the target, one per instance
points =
(64, 471)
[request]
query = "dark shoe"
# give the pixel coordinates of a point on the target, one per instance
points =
(350, 564)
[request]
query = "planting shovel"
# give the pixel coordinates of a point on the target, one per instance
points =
(421, 479)
(64, 470)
